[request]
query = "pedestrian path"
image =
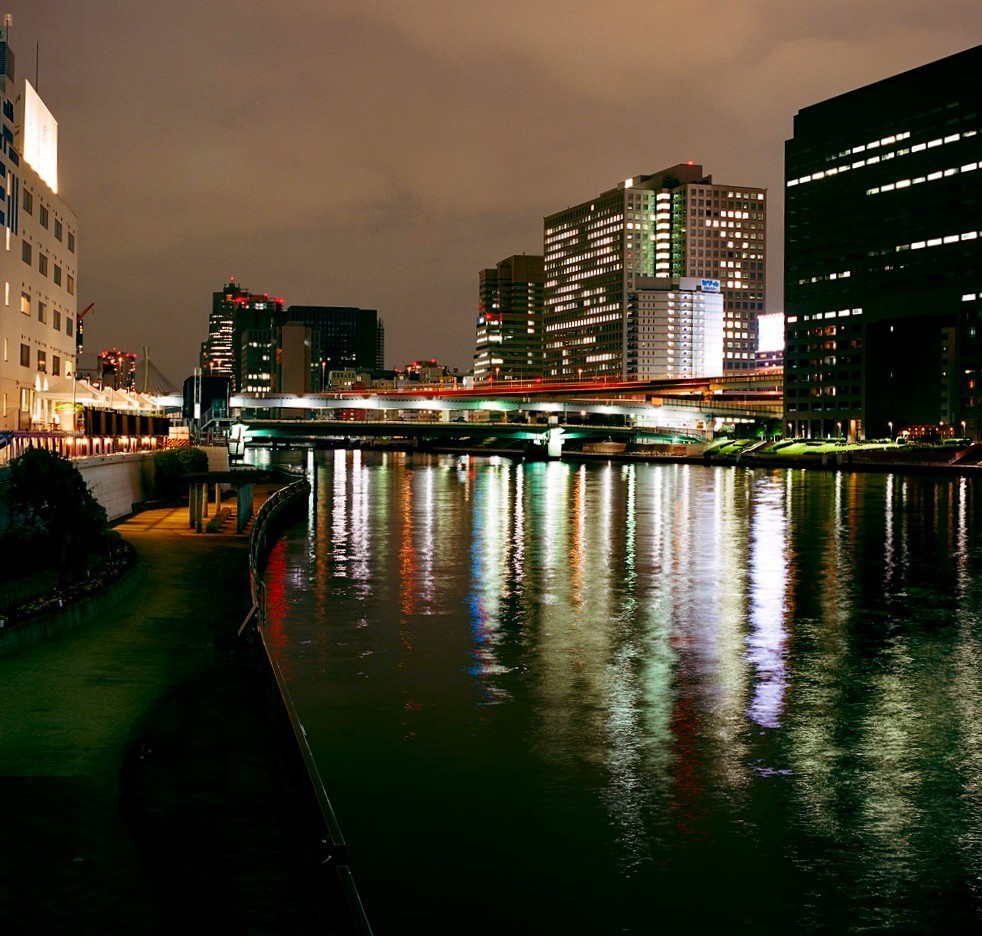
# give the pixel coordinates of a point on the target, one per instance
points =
(145, 780)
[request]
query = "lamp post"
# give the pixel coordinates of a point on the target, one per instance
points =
(890, 428)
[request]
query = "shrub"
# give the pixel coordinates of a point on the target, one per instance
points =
(171, 464)
(49, 494)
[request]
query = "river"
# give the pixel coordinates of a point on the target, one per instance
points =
(627, 698)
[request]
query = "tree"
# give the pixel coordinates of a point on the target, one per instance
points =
(48, 493)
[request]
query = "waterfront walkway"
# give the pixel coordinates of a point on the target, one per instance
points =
(146, 782)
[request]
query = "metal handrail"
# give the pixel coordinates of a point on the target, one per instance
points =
(335, 845)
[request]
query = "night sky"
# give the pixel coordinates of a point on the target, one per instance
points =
(379, 153)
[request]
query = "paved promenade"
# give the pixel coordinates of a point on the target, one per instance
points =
(146, 785)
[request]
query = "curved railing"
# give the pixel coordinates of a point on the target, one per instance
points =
(335, 849)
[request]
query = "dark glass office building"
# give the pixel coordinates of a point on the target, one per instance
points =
(509, 344)
(342, 338)
(883, 256)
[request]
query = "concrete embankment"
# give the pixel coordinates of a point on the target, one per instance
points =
(147, 783)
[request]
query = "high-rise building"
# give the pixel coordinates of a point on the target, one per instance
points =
(509, 343)
(117, 369)
(39, 253)
(883, 255)
(230, 349)
(675, 223)
(676, 328)
(342, 338)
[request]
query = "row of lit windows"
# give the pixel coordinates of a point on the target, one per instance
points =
(42, 360)
(42, 311)
(717, 195)
(872, 160)
(835, 313)
(845, 274)
(930, 177)
(584, 322)
(939, 241)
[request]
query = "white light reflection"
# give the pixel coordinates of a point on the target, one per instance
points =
(889, 559)
(767, 641)
(361, 540)
(424, 520)
(339, 513)
(961, 539)
(518, 528)
(489, 560)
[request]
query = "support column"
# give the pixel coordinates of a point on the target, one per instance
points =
(554, 444)
(244, 497)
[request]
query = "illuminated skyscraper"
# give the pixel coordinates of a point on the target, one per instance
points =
(883, 255)
(229, 351)
(509, 342)
(675, 223)
(39, 253)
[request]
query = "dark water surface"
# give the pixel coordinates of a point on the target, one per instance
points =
(549, 698)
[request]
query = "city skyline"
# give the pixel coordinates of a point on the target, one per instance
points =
(190, 156)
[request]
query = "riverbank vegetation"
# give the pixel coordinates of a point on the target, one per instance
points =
(58, 545)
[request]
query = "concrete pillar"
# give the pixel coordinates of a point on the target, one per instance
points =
(244, 505)
(202, 501)
(193, 506)
(554, 445)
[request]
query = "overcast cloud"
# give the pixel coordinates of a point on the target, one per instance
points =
(379, 153)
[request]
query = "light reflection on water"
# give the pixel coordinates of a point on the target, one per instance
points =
(614, 698)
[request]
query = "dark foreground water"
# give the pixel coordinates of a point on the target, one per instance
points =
(547, 698)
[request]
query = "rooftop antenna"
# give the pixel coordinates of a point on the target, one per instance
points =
(8, 21)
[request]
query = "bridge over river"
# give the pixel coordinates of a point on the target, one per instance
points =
(534, 413)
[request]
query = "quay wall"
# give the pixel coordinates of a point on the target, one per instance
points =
(118, 481)
(57, 621)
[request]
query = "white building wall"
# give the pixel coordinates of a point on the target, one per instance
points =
(679, 327)
(38, 282)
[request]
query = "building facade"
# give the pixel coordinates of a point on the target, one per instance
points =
(883, 256)
(509, 342)
(676, 328)
(239, 320)
(342, 338)
(674, 223)
(38, 256)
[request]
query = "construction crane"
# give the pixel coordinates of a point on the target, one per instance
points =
(78, 327)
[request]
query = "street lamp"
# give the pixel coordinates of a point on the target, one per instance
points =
(579, 374)
(890, 427)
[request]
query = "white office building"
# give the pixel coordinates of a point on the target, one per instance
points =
(38, 255)
(675, 223)
(675, 328)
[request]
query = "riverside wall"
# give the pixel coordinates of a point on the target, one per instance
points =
(119, 482)
(58, 621)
